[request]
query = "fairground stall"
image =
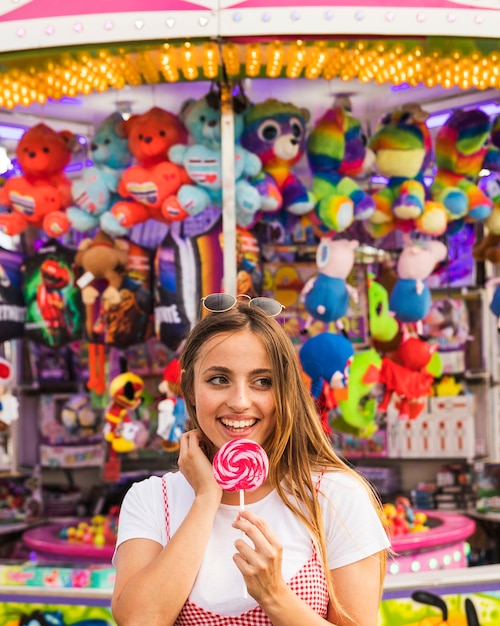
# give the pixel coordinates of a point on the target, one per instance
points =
(340, 141)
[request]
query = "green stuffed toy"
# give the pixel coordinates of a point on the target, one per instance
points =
(357, 411)
(202, 160)
(403, 149)
(337, 153)
(382, 323)
(461, 146)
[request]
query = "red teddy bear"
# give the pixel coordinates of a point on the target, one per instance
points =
(41, 194)
(150, 185)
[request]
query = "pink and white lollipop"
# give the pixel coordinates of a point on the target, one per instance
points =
(241, 465)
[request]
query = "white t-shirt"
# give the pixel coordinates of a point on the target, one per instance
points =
(353, 532)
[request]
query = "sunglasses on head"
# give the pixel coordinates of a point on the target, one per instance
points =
(221, 302)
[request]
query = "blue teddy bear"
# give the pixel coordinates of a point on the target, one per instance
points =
(96, 192)
(202, 161)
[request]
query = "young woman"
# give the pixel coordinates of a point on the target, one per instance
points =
(308, 549)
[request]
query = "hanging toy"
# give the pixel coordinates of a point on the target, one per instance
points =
(327, 295)
(408, 377)
(41, 194)
(382, 324)
(326, 358)
(102, 259)
(9, 409)
(410, 298)
(120, 429)
(172, 409)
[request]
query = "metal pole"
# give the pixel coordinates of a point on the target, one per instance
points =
(228, 190)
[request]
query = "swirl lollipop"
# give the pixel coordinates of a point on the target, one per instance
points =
(241, 464)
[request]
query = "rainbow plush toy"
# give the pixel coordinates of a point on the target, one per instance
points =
(403, 148)
(276, 132)
(461, 146)
(336, 152)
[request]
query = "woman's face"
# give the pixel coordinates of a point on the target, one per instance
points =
(233, 389)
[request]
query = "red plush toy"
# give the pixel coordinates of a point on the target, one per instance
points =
(406, 377)
(149, 186)
(41, 194)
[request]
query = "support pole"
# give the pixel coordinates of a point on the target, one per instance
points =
(228, 190)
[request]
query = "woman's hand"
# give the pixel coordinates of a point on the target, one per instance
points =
(196, 467)
(260, 566)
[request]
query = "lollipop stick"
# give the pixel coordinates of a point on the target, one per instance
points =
(242, 508)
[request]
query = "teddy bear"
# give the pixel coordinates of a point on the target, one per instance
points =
(149, 186)
(96, 192)
(202, 160)
(276, 132)
(172, 413)
(41, 194)
(461, 146)
(403, 149)
(336, 154)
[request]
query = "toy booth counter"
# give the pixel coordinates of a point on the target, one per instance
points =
(96, 48)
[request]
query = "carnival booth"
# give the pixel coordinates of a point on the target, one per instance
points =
(342, 158)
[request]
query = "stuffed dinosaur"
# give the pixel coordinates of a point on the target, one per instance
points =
(202, 160)
(403, 148)
(276, 132)
(96, 192)
(358, 409)
(461, 146)
(336, 154)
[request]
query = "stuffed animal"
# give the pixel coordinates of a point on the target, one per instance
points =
(358, 409)
(336, 154)
(326, 359)
(41, 194)
(410, 298)
(461, 145)
(276, 132)
(407, 377)
(9, 408)
(327, 295)
(202, 161)
(120, 429)
(381, 321)
(403, 148)
(96, 192)
(100, 259)
(172, 409)
(151, 184)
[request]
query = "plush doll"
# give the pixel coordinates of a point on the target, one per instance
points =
(461, 145)
(403, 148)
(41, 194)
(119, 430)
(276, 132)
(151, 184)
(172, 409)
(202, 161)
(410, 298)
(382, 324)
(336, 153)
(407, 377)
(9, 407)
(96, 192)
(326, 359)
(100, 259)
(326, 295)
(358, 409)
